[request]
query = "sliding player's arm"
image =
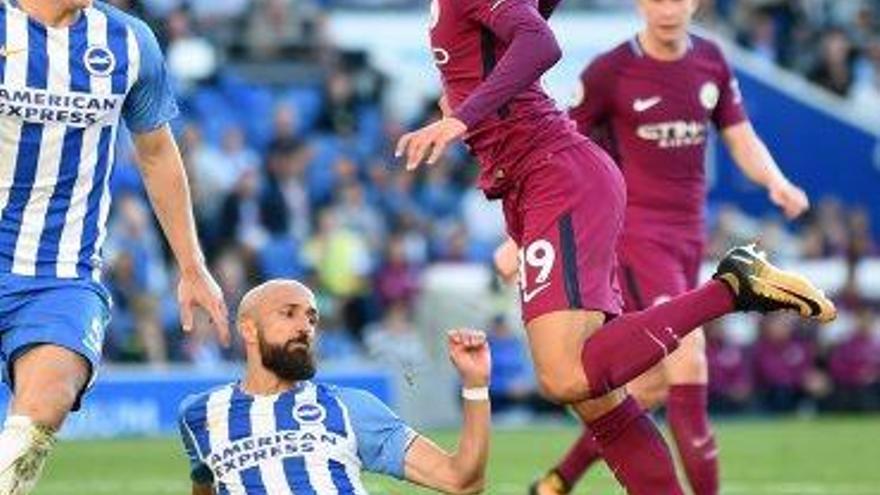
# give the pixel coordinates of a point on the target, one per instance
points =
(462, 471)
(754, 159)
(532, 50)
(386, 445)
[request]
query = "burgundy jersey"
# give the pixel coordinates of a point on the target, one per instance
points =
(466, 44)
(653, 117)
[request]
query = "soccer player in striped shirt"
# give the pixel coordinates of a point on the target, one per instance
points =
(70, 70)
(277, 431)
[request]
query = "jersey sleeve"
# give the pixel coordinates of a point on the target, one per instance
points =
(730, 110)
(383, 438)
(488, 12)
(199, 472)
(592, 103)
(150, 104)
(532, 49)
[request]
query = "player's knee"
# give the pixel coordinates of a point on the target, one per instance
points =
(561, 388)
(48, 394)
(47, 404)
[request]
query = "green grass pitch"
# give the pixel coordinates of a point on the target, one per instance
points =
(795, 457)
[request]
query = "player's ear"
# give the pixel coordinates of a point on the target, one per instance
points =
(248, 329)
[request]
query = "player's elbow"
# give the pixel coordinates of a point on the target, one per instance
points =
(551, 52)
(469, 485)
(554, 51)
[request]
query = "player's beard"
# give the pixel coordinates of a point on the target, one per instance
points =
(291, 361)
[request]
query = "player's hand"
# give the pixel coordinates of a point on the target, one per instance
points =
(197, 288)
(791, 199)
(506, 260)
(469, 353)
(430, 141)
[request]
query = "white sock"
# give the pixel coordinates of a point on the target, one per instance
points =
(24, 447)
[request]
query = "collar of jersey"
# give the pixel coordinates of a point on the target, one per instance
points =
(300, 385)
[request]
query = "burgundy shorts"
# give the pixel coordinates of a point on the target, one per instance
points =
(652, 270)
(565, 216)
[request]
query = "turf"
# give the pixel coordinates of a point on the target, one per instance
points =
(797, 457)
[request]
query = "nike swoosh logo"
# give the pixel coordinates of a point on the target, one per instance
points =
(8, 52)
(699, 443)
(640, 105)
(529, 295)
(813, 305)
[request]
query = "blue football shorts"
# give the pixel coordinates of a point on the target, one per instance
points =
(72, 314)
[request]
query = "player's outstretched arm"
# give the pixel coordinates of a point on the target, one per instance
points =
(165, 178)
(463, 471)
(532, 50)
(754, 159)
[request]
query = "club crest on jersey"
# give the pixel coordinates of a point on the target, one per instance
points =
(709, 95)
(99, 61)
(309, 413)
(435, 13)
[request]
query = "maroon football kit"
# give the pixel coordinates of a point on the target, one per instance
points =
(654, 117)
(563, 197)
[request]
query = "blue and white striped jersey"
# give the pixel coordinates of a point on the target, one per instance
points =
(312, 440)
(62, 93)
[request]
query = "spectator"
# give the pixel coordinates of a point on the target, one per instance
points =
(866, 90)
(855, 367)
(335, 341)
(341, 261)
(276, 25)
(397, 280)
(285, 193)
(242, 217)
(834, 70)
(730, 373)
(135, 282)
(359, 216)
(191, 58)
(784, 366)
(394, 342)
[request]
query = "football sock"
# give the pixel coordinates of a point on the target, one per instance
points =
(635, 451)
(689, 421)
(629, 345)
(583, 454)
(24, 447)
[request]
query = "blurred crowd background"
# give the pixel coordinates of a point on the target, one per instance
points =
(287, 141)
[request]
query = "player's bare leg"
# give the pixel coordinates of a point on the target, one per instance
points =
(48, 380)
(649, 390)
(631, 443)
